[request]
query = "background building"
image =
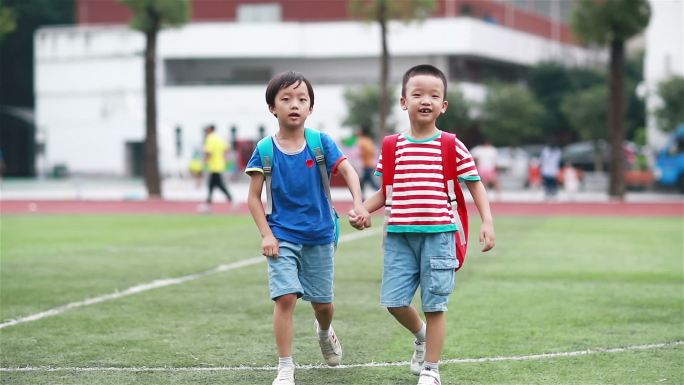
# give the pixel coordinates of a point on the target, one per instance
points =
(664, 41)
(89, 77)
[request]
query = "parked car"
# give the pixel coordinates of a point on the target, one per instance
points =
(670, 161)
(582, 155)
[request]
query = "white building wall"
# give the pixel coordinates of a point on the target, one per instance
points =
(664, 58)
(90, 94)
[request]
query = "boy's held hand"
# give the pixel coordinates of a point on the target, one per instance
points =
(487, 236)
(363, 215)
(357, 221)
(269, 246)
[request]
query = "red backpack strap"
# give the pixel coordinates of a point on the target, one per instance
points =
(389, 148)
(456, 198)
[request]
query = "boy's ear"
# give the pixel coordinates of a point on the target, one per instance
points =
(271, 109)
(402, 103)
(445, 104)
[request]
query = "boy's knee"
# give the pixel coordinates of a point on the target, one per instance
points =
(286, 301)
(397, 310)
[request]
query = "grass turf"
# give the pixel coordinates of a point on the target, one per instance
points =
(551, 285)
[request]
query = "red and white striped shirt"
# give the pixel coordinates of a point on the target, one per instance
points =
(419, 200)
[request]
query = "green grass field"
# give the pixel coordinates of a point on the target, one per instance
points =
(552, 285)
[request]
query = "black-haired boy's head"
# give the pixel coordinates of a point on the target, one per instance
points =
(285, 80)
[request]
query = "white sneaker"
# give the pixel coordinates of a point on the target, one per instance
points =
(429, 377)
(285, 376)
(418, 357)
(330, 347)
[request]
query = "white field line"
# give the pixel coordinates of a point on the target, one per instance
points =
(160, 283)
(350, 366)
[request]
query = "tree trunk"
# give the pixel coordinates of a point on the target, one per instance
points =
(616, 117)
(384, 70)
(152, 179)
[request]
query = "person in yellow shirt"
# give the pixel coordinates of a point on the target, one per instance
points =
(215, 152)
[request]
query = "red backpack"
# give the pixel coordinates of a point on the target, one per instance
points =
(451, 186)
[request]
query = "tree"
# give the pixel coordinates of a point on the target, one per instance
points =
(511, 116)
(587, 113)
(456, 119)
(149, 17)
(19, 20)
(382, 11)
(361, 104)
(8, 21)
(671, 112)
(551, 83)
(612, 22)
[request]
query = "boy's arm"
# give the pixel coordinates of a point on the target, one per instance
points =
(269, 244)
(375, 201)
(479, 194)
(352, 178)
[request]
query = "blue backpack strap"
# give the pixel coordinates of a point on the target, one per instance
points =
(313, 140)
(265, 148)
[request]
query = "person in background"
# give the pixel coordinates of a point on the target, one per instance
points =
(571, 178)
(550, 167)
(215, 153)
(485, 158)
(196, 167)
(534, 179)
(367, 153)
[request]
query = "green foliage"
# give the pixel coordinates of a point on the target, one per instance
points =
(456, 119)
(8, 21)
(149, 15)
(551, 82)
(362, 106)
(587, 112)
(603, 21)
(671, 112)
(511, 116)
(16, 47)
(406, 10)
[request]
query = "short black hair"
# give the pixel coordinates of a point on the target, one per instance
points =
(423, 69)
(284, 80)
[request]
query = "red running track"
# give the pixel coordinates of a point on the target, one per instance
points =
(666, 209)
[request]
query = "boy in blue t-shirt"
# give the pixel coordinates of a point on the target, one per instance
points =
(298, 236)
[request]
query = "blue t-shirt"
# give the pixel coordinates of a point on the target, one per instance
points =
(301, 213)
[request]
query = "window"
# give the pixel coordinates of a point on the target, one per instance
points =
(259, 13)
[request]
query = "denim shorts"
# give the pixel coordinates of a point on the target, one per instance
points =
(305, 270)
(413, 259)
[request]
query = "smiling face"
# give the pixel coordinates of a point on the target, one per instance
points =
(424, 99)
(292, 105)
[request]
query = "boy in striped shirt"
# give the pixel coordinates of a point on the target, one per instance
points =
(420, 247)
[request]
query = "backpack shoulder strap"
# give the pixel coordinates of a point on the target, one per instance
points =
(313, 140)
(456, 198)
(389, 148)
(265, 148)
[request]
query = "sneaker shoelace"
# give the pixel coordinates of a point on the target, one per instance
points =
(329, 345)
